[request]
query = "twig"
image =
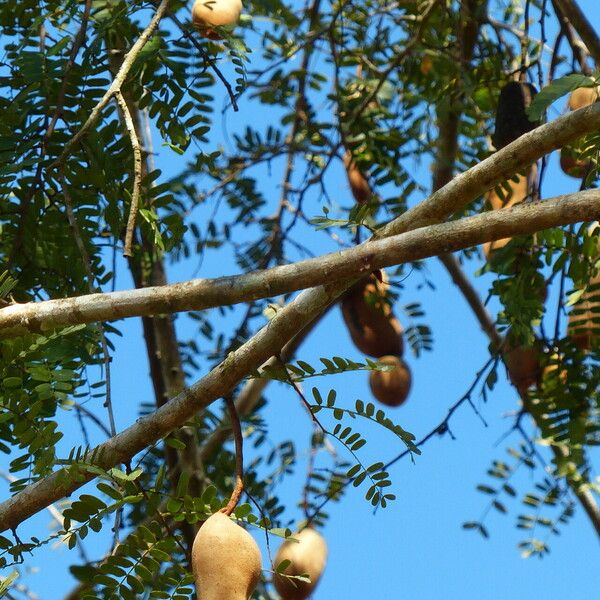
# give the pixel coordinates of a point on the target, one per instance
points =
(77, 43)
(571, 10)
(298, 391)
(407, 50)
(207, 58)
(579, 50)
(60, 101)
(105, 353)
(472, 297)
(525, 41)
(238, 439)
(310, 469)
(440, 429)
(117, 83)
(251, 393)
(301, 113)
(90, 415)
(137, 173)
(90, 277)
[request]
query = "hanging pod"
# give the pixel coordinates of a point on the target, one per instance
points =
(208, 14)
(307, 556)
(570, 161)
(391, 387)
(582, 97)
(226, 560)
(523, 364)
(518, 189)
(369, 318)
(511, 116)
(359, 186)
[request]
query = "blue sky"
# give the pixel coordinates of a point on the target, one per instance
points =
(416, 547)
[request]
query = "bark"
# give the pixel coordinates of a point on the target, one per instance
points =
(201, 294)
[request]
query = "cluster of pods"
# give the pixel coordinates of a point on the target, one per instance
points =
(226, 562)
(523, 363)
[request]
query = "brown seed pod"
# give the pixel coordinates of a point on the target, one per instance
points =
(226, 560)
(570, 164)
(426, 64)
(359, 186)
(582, 97)
(523, 365)
(391, 387)
(373, 327)
(584, 320)
(207, 14)
(520, 189)
(307, 556)
(511, 119)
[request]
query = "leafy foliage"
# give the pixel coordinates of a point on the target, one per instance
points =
(380, 82)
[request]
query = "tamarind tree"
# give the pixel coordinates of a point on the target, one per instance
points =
(287, 160)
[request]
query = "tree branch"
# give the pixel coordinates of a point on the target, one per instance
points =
(580, 52)
(137, 174)
(500, 166)
(268, 342)
(60, 101)
(472, 297)
(238, 438)
(570, 9)
(199, 294)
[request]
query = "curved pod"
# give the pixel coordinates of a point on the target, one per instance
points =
(391, 387)
(307, 556)
(523, 366)
(517, 190)
(226, 560)
(359, 186)
(372, 326)
(570, 163)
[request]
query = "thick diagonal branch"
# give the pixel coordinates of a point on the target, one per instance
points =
(201, 294)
